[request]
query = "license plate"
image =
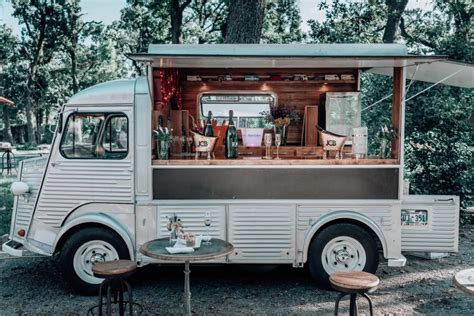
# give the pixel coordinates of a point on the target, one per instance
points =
(414, 217)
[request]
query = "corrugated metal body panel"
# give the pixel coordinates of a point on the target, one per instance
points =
(380, 214)
(262, 233)
(72, 183)
(32, 174)
(193, 219)
(442, 232)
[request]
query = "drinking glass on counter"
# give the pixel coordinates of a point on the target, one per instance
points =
(267, 139)
(189, 141)
(277, 144)
(207, 223)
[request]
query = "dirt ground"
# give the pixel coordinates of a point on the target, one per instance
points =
(35, 286)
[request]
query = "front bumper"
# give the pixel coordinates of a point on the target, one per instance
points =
(13, 248)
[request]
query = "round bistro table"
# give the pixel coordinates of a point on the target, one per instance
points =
(217, 249)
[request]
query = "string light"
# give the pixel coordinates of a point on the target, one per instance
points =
(170, 87)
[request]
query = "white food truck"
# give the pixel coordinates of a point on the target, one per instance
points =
(101, 192)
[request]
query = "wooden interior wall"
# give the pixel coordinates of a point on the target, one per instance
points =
(293, 94)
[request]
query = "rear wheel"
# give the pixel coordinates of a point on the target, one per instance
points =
(85, 248)
(341, 247)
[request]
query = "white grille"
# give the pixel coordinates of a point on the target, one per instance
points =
(32, 171)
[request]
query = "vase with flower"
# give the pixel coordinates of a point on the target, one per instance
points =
(163, 141)
(385, 136)
(281, 117)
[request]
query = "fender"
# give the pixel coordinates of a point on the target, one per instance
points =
(99, 218)
(341, 215)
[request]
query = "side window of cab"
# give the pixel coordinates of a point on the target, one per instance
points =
(95, 136)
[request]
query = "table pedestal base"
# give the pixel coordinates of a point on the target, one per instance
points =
(187, 289)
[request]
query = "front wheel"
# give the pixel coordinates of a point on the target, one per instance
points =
(341, 247)
(85, 248)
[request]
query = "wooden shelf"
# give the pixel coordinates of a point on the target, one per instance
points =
(262, 162)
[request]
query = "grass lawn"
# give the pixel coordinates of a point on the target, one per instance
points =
(6, 204)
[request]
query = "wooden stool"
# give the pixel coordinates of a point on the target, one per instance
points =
(353, 283)
(114, 273)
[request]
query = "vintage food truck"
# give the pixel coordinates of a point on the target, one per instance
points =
(105, 189)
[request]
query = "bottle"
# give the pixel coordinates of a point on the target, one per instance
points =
(208, 129)
(231, 139)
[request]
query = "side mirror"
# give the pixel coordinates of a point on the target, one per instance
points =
(60, 123)
(19, 188)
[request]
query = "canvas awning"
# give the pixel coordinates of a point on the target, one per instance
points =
(375, 58)
(280, 56)
(6, 101)
(455, 73)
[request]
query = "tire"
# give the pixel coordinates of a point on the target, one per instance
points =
(85, 248)
(341, 247)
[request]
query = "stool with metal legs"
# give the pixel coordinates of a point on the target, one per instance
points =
(353, 284)
(114, 284)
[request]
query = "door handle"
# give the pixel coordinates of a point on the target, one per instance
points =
(446, 201)
(54, 164)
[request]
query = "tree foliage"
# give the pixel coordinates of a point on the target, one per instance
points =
(282, 22)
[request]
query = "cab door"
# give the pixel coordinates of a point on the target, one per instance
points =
(91, 162)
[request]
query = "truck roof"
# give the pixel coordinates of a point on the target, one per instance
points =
(115, 92)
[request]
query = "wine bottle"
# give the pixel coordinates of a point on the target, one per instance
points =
(208, 129)
(231, 139)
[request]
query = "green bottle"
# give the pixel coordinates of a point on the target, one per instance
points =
(231, 139)
(208, 129)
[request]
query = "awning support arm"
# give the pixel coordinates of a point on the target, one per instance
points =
(415, 95)
(388, 96)
(434, 84)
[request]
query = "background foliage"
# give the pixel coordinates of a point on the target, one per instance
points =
(58, 53)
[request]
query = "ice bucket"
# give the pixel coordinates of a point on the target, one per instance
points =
(252, 137)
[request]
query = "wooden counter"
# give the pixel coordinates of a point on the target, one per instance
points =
(249, 161)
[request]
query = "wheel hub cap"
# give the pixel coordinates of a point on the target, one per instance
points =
(342, 256)
(343, 253)
(96, 258)
(90, 253)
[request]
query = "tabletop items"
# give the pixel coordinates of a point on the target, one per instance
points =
(181, 241)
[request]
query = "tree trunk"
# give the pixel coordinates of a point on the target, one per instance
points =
(7, 133)
(395, 10)
(30, 130)
(39, 125)
(176, 13)
(245, 21)
(72, 54)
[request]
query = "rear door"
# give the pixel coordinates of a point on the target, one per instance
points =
(430, 223)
